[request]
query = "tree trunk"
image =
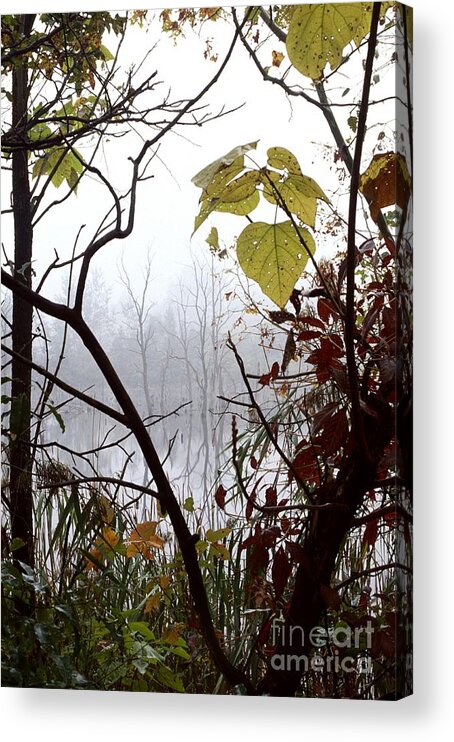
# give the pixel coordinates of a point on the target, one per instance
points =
(20, 453)
(326, 531)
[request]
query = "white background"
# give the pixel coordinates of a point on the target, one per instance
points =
(50, 715)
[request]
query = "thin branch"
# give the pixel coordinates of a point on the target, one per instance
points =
(371, 571)
(106, 480)
(272, 437)
(395, 509)
(100, 406)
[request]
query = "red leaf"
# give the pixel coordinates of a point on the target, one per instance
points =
(270, 497)
(296, 551)
(305, 464)
(254, 462)
(219, 497)
(370, 533)
(285, 523)
(325, 309)
(390, 245)
(308, 335)
(389, 322)
(295, 300)
(334, 433)
(321, 418)
(325, 358)
(312, 321)
(271, 376)
(258, 559)
(280, 572)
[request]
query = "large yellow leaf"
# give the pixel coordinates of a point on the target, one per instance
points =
(319, 32)
(305, 208)
(272, 255)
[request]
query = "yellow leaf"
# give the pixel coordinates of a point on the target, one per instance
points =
(152, 603)
(106, 510)
(164, 581)
(142, 538)
(92, 566)
(216, 535)
(171, 635)
(108, 538)
(277, 58)
(274, 255)
(220, 551)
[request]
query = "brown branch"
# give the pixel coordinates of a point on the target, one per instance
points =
(350, 318)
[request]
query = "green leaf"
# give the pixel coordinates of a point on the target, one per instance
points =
(57, 416)
(273, 256)
(220, 551)
(189, 504)
(298, 191)
(180, 652)
(170, 679)
(240, 208)
(106, 53)
(201, 546)
(352, 121)
(142, 628)
(224, 176)
(39, 132)
(19, 418)
(17, 543)
(205, 176)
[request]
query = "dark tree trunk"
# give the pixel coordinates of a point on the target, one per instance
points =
(20, 452)
(326, 532)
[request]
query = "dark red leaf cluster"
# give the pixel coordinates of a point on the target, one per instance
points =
(326, 357)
